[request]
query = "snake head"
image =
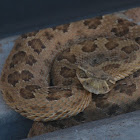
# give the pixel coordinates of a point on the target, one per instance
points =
(93, 84)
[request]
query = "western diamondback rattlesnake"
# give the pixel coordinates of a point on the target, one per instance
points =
(44, 75)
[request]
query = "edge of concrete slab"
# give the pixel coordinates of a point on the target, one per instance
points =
(121, 127)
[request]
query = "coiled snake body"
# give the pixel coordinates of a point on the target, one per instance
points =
(52, 73)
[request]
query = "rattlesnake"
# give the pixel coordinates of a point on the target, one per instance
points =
(53, 73)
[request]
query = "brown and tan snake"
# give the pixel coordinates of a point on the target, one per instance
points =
(57, 72)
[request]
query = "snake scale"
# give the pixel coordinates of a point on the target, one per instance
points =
(57, 72)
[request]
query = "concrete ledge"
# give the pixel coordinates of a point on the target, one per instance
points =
(122, 127)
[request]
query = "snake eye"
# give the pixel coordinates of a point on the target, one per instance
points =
(81, 73)
(86, 83)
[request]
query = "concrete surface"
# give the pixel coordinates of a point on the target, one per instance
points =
(122, 127)
(12, 125)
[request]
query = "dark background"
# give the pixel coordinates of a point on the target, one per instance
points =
(20, 16)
